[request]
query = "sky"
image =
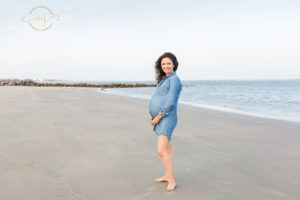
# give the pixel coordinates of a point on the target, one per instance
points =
(118, 40)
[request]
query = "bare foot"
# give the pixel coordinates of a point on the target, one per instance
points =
(162, 179)
(171, 186)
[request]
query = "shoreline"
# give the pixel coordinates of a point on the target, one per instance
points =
(208, 107)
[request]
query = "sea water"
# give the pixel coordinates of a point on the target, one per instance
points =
(277, 99)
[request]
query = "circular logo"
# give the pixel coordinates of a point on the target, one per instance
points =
(41, 18)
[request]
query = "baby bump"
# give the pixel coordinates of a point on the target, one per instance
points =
(155, 105)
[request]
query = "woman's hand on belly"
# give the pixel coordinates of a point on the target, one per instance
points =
(156, 119)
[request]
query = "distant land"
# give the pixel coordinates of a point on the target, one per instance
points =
(58, 83)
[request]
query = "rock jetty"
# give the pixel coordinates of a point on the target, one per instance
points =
(29, 82)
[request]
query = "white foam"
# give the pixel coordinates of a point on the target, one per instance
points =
(108, 91)
(233, 110)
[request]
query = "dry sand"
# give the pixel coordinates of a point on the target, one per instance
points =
(77, 143)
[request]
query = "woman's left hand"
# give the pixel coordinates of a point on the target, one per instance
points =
(155, 120)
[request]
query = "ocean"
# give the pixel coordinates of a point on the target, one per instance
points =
(275, 99)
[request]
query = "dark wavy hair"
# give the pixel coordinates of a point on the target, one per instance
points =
(158, 70)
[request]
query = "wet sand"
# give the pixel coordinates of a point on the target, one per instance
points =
(77, 143)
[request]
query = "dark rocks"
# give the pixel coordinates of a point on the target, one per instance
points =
(29, 82)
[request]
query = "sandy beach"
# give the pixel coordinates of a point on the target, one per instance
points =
(77, 143)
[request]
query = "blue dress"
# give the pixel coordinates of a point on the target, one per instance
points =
(164, 101)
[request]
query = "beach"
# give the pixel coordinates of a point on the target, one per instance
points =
(78, 143)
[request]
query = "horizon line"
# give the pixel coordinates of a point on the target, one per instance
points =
(76, 80)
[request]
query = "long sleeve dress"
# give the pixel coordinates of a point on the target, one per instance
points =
(164, 101)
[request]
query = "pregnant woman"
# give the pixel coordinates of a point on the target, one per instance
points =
(163, 111)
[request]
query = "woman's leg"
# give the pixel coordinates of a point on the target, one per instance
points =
(162, 148)
(170, 152)
(165, 152)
